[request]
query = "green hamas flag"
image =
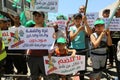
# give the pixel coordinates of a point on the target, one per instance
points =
(15, 4)
(28, 1)
(23, 18)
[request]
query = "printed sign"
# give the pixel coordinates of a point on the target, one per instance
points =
(64, 65)
(31, 38)
(44, 5)
(5, 37)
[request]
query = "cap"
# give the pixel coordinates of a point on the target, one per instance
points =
(61, 40)
(77, 15)
(39, 12)
(99, 21)
(2, 18)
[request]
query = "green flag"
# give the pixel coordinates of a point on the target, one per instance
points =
(23, 18)
(16, 1)
(28, 1)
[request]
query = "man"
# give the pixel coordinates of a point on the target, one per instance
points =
(100, 39)
(106, 13)
(19, 61)
(35, 61)
(116, 39)
(116, 34)
(82, 9)
(2, 50)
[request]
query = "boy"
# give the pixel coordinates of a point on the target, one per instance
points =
(62, 50)
(100, 39)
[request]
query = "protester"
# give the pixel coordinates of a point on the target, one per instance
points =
(106, 14)
(99, 40)
(82, 9)
(2, 50)
(116, 34)
(35, 60)
(118, 59)
(19, 61)
(77, 35)
(62, 50)
(58, 33)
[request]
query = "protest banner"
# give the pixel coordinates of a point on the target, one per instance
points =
(44, 5)
(114, 25)
(64, 65)
(31, 38)
(91, 17)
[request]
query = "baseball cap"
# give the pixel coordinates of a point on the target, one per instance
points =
(77, 15)
(99, 21)
(61, 40)
(39, 12)
(2, 18)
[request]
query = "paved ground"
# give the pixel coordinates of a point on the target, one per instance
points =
(111, 73)
(108, 74)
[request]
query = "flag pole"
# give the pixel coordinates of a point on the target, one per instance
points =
(86, 7)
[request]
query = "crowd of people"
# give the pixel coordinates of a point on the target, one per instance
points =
(73, 40)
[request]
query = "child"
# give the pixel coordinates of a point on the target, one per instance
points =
(100, 39)
(62, 50)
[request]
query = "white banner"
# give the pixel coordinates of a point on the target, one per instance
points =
(114, 25)
(44, 5)
(91, 17)
(31, 38)
(64, 65)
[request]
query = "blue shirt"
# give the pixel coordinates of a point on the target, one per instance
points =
(79, 41)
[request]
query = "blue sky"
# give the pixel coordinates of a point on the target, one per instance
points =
(67, 7)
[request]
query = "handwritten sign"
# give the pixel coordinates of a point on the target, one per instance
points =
(44, 5)
(114, 25)
(91, 17)
(31, 38)
(5, 37)
(64, 65)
